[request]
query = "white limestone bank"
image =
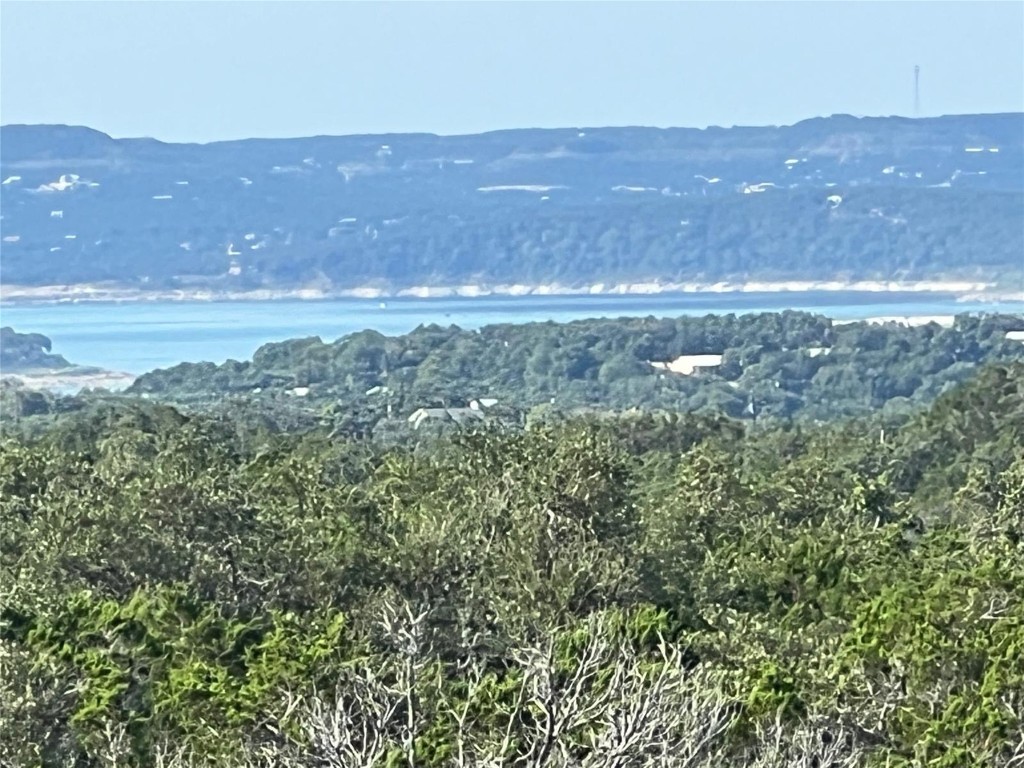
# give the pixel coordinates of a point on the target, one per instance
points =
(70, 381)
(108, 292)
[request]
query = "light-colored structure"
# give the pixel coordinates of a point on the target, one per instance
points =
(460, 416)
(690, 364)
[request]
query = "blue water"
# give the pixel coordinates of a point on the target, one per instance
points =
(137, 337)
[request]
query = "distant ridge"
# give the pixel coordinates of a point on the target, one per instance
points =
(1014, 119)
(842, 197)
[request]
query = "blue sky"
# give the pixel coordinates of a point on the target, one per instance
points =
(203, 71)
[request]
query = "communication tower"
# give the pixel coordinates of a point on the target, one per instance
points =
(917, 90)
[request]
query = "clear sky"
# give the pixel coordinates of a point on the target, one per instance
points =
(202, 71)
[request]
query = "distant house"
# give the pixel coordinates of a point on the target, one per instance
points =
(458, 416)
(687, 365)
(1015, 335)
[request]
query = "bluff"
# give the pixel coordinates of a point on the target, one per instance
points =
(837, 197)
(20, 352)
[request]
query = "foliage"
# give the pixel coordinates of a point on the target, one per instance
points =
(775, 367)
(641, 590)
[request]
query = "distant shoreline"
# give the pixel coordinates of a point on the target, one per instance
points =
(93, 292)
(71, 380)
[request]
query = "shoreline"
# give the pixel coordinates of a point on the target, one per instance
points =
(91, 292)
(70, 381)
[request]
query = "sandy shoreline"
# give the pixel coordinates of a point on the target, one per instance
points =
(87, 292)
(910, 321)
(70, 381)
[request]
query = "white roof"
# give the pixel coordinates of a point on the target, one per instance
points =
(687, 364)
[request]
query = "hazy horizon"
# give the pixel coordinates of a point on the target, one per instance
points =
(213, 71)
(515, 128)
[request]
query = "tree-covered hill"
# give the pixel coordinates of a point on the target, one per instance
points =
(772, 367)
(21, 352)
(640, 591)
(838, 197)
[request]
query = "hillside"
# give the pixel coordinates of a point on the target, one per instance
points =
(772, 367)
(23, 352)
(29, 367)
(637, 593)
(828, 198)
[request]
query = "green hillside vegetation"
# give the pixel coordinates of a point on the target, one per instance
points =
(774, 367)
(634, 590)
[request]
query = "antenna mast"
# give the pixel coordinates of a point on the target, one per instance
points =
(917, 90)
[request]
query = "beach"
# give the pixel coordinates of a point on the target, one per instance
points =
(85, 292)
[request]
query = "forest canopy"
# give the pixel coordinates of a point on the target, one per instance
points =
(762, 367)
(641, 590)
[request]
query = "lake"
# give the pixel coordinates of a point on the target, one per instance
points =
(139, 336)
